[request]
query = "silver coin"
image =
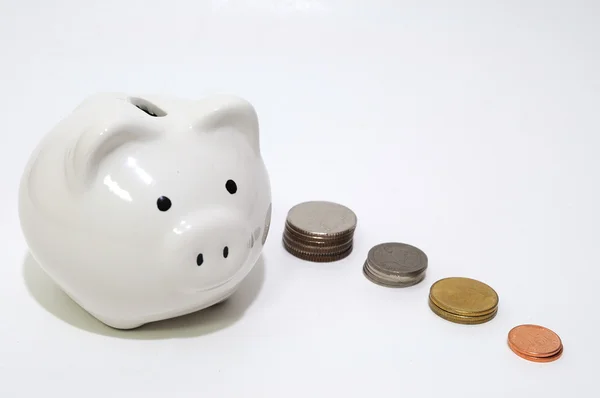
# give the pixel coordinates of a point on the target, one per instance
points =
(387, 281)
(400, 259)
(316, 240)
(322, 218)
(317, 257)
(308, 248)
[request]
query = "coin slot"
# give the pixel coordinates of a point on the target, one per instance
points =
(147, 107)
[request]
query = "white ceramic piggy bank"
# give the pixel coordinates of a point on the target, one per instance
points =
(143, 209)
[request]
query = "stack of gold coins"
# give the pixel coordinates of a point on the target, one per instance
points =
(319, 231)
(463, 300)
(535, 343)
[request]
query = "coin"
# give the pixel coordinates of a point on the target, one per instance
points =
(540, 359)
(317, 258)
(388, 281)
(463, 300)
(535, 343)
(296, 235)
(322, 218)
(319, 231)
(466, 320)
(464, 296)
(315, 249)
(397, 258)
(394, 264)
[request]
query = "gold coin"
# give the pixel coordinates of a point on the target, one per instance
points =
(465, 320)
(464, 297)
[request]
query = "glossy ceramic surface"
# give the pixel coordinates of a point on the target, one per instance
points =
(146, 208)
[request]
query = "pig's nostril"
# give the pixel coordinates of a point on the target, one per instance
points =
(199, 259)
(225, 251)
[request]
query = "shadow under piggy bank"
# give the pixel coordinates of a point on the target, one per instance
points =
(206, 321)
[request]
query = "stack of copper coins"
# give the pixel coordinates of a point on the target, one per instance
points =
(463, 300)
(535, 343)
(319, 231)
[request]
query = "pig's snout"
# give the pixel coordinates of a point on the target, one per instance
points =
(220, 238)
(211, 246)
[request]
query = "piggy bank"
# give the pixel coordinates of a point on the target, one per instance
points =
(147, 208)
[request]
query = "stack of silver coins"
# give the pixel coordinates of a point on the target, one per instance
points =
(395, 264)
(319, 231)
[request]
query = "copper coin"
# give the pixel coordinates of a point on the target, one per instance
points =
(535, 343)
(551, 358)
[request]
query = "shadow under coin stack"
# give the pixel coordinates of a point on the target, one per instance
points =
(395, 264)
(463, 300)
(319, 231)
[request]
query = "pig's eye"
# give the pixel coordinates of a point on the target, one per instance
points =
(163, 203)
(231, 186)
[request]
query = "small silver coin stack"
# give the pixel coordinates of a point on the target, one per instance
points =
(395, 264)
(319, 231)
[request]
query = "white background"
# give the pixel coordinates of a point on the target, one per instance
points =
(468, 129)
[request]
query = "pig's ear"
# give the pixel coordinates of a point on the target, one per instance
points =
(101, 124)
(228, 112)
